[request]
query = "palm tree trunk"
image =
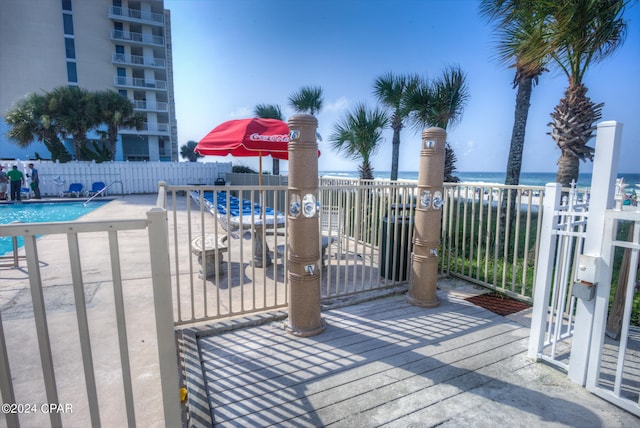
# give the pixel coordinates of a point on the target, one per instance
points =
(573, 125)
(366, 170)
(112, 137)
(514, 162)
(78, 144)
(395, 154)
(568, 168)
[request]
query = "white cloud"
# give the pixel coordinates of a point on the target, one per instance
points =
(337, 105)
(241, 113)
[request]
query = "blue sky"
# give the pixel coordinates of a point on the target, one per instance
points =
(230, 55)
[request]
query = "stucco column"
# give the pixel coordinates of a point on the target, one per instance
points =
(304, 231)
(426, 233)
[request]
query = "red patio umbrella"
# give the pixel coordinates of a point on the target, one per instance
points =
(247, 137)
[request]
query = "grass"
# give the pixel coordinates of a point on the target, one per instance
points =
(474, 251)
(474, 238)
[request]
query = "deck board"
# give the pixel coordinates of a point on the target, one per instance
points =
(369, 358)
(387, 363)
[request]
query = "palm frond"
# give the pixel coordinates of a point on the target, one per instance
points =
(307, 100)
(268, 111)
(359, 133)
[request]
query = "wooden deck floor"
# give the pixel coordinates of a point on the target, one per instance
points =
(387, 363)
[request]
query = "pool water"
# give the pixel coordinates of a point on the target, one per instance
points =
(39, 213)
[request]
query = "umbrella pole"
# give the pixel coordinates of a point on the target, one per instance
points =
(260, 176)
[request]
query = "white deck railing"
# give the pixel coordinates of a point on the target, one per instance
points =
(367, 229)
(481, 245)
(365, 234)
(60, 375)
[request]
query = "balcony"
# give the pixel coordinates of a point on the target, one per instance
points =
(148, 128)
(136, 83)
(143, 39)
(136, 15)
(137, 60)
(157, 106)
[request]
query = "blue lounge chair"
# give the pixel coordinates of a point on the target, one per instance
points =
(96, 187)
(235, 214)
(75, 189)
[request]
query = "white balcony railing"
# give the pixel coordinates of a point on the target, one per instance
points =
(150, 105)
(135, 82)
(148, 128)
(120, 58)
(129, 36)
(136, 15)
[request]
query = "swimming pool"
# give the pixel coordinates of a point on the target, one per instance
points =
(41, 212)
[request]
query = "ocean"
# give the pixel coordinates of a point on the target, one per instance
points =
(526, 178)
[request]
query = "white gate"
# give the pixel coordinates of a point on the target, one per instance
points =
(562, 241)
(613, 363)
(607, 366)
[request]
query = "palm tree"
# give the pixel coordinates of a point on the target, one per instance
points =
(359, 135)
(77, 113)
(28, 120)
(116, 111)
(270, 111)
(307, 100)
(581, 33)
(450, 95)
(439, 103)
(391, 90)
(520, 27)
(31, 120)
(186, 151)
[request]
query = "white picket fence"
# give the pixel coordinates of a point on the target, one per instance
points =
(136, 177)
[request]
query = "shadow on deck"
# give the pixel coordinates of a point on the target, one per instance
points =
(382, 363)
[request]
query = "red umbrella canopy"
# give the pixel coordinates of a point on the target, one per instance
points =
(247, 137)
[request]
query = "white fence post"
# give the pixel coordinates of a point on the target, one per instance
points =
(163, 305)
(544, 272)
(603, 180)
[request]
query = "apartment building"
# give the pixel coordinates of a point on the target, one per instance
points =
(123, 45)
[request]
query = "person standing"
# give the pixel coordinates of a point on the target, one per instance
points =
(35, 182)
(16, 178)
(3, 184)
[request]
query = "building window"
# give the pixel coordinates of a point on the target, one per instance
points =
(162, 147)
(122, 76)
(72, 72)
(123, 93)
(70, 48)
(68, 24)
(119, 55)
(66, 5)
